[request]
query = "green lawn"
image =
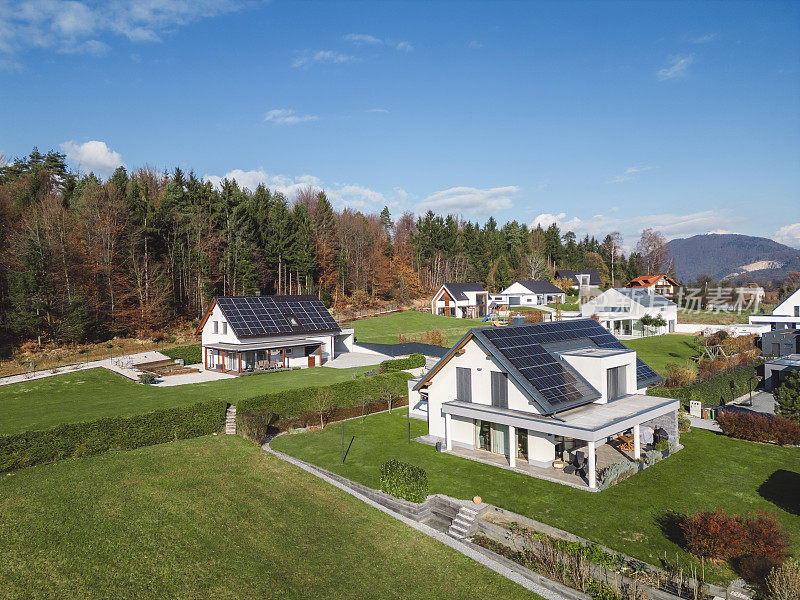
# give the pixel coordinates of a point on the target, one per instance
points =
(97, 393)
(386, 329)
(660, 350)
(712, 472)
(213, 517)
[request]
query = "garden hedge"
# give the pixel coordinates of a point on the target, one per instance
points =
(403, 480)
(298, 401)
(118, 433)
(401, 364)
(713, 390)
(191, 355)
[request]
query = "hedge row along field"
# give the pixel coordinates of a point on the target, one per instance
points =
(720, 389)
(119, 433)
(191, 355)
(296, 402)
(401, 364)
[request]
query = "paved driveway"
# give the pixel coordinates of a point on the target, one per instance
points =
(763, 402)
(348, 360)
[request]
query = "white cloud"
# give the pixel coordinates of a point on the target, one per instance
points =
(475, 45)
(630, 173)
(378, 110)
(75, 27)
(469, 200)
(677, 67)
(704, 39)
(404, 46)
(362, 38)
(93, 156)
(789, 235)
(287, 116)
(322, 56)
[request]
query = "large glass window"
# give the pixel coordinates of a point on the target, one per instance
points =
(500, 439)
(483, 430)
(522, 444)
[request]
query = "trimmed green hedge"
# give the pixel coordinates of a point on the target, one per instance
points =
(191, 355)
(402, 480)
(299, 401)
(255, 425)
(119, 433)
(401, 364)
(713, 390)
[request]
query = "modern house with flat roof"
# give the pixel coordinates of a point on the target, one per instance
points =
(620, 310)
(460, 300)
(247, 333)
(530, 397)
(531, 293)
(785, 316)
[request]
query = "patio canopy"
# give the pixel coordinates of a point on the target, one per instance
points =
(591, 422)
(264, 345)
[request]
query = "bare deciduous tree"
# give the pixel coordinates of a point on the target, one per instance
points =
(652, 246)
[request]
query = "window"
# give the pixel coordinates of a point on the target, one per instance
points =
(797, 311)
(216, 326)
(499, 389)
(463, 384)
(292, 320)
(615, 380)
(224, 328)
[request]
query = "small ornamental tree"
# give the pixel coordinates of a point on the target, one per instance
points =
(787, 397)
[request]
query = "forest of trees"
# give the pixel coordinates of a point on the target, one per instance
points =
(85, 259)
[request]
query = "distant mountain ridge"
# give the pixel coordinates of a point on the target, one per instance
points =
(732, 256)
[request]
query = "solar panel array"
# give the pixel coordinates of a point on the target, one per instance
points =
(557, 382)
(251, 316)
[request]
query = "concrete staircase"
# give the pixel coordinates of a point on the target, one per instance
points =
(230, 420)
(462, 523)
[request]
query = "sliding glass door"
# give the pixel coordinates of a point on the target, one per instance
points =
(491, 437)
(483, 433)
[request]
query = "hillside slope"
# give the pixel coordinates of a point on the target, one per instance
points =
(730, 255)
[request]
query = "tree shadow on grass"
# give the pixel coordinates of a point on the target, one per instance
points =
(781, 488)
(671, 525)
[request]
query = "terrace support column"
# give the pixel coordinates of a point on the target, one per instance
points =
(592, 466)
(512, 446)
(637, 445)
(448, 432)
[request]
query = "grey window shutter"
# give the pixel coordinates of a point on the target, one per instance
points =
(499, 390)
(463, 384)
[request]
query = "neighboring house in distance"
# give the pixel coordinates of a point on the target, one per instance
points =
(531, 293)
(785, 316)
(460, 300)
(620, 309)
(245, 333)
(523, 396)
(780, 342)
(588, 281)
(778, 369)
(660, 284)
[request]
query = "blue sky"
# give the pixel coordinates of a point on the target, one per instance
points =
(601, 116)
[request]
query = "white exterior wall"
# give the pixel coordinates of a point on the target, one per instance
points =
(438, 302)
(594, 370)
(789, 307)
(443, 389)
(541, 449)
(785, 316)
(209, 337)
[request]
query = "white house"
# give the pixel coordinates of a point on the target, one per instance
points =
(245, 333)
(460, 300)
(620, 311)
(531, 394)
(587, 282)
(531, 293)
(785, 316)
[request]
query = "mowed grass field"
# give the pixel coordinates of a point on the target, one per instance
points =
(213, 517)
(97, 393)
(660, 350)
(711, 472)
(387, 328)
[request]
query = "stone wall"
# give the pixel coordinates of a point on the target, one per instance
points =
(669, 422)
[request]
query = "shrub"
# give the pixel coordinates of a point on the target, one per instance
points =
(191, 355)
(117, 433)
(651, 457)
(403, 480)
(680, 376)
(295, 402)
(787, 397)
(401, 364)
(759, 428)
(615, 473)
(717, 389)
(661, 445)
(783, 582)
(684, 423)
(713, 535)
(147, 378)
(256, 425)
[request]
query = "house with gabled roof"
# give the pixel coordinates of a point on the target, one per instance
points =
(531, 293)
(620, 310)
(530, 397)
(247, 333)
(460, 300)
(587, 278)
(784, 316)
(660, 284)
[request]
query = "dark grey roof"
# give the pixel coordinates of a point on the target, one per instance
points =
(541, 287)
(457, 289)
(531, 354)
(594, 276)
(259, 316)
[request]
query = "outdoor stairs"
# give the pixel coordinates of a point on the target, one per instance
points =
(462, 522)
(230, 420)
